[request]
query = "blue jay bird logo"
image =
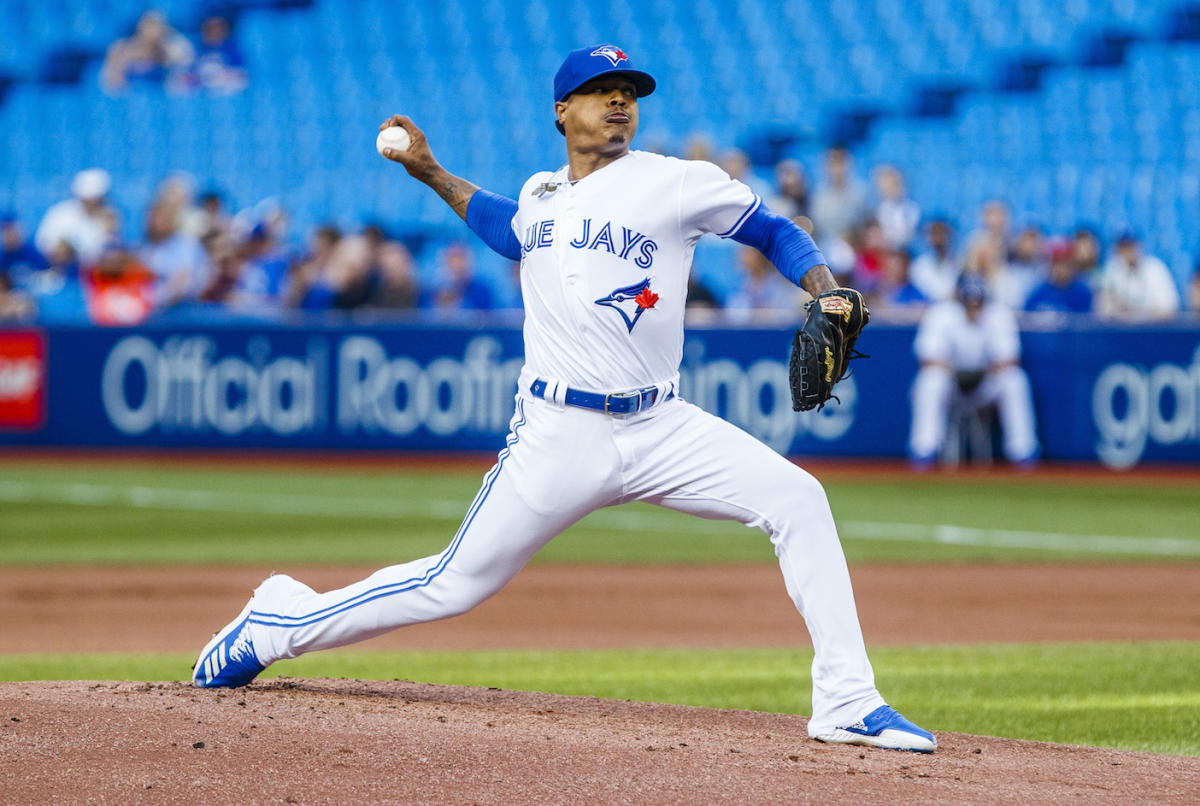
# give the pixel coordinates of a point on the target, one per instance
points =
(641, 297)
(611, 52)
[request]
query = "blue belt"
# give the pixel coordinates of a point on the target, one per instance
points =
(622, 403)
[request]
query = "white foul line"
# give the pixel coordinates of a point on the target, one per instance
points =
(1013, 539)
(141, 497)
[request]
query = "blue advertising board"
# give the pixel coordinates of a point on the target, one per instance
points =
(1120, 396)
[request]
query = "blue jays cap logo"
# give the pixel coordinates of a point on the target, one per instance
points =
(611, 52)
(641, 297)
(584, 64)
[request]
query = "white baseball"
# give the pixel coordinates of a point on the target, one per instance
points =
(393, 137)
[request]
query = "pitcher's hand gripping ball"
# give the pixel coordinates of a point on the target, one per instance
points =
(823, 346)
(393, 137)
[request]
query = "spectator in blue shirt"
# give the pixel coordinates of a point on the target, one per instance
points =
(1062, 291)
(19, 258)
(219, 67)
(57, 290)
(896, 291)
(310, 284)
(764, 295)
(182, 268)
(459, 288)
(260, 283)
(155, 53)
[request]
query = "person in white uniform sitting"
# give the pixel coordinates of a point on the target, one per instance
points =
(969, 351)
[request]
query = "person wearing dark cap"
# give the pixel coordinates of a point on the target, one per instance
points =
(969, 350)
(605, 244)
(1135, 286)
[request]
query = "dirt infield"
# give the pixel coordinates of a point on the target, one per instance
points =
(350, 742)
(74, 609)
(321, 741)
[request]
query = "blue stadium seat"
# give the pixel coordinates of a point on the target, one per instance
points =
(476, 74)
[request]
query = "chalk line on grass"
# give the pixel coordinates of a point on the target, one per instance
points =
(644, 520)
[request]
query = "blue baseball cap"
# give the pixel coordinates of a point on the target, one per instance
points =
(971, 288)
(1127, 235)
(582, 65)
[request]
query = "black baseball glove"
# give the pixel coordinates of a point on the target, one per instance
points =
(823, 346)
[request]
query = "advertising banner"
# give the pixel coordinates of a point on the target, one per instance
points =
(22, 380)
(1119, 396)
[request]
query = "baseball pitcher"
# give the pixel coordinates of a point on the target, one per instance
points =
(605, 244)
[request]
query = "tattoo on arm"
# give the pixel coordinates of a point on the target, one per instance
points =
(818, 280)
(455, 192)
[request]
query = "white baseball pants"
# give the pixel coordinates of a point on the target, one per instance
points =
(562, 463)
(1008, 389)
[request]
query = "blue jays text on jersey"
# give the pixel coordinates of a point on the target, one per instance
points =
(540, 234)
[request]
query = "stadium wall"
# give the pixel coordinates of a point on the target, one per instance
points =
(1120, 396)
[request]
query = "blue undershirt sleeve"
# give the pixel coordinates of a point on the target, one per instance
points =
(490, 217)
(786, 245)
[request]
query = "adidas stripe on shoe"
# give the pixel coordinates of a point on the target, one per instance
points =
(228, 660)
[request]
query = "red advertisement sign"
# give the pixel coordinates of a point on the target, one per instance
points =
(22, 381)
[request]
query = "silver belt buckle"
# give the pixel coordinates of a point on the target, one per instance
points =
(623, 396)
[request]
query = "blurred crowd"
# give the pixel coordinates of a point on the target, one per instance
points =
(879, 240)
(156, 53)
(194, 254)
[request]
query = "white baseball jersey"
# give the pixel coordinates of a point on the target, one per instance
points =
(1145, 289)
(604, 272)
(605, 263)
(946, 335)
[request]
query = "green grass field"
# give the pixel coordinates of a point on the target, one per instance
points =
(121, 513)
(1143, 696)
(1133, 697)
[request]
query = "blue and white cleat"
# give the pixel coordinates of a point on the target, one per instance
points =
(884, 727)
(228, 660)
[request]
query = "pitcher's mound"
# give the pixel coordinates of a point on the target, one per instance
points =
(347, 741)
